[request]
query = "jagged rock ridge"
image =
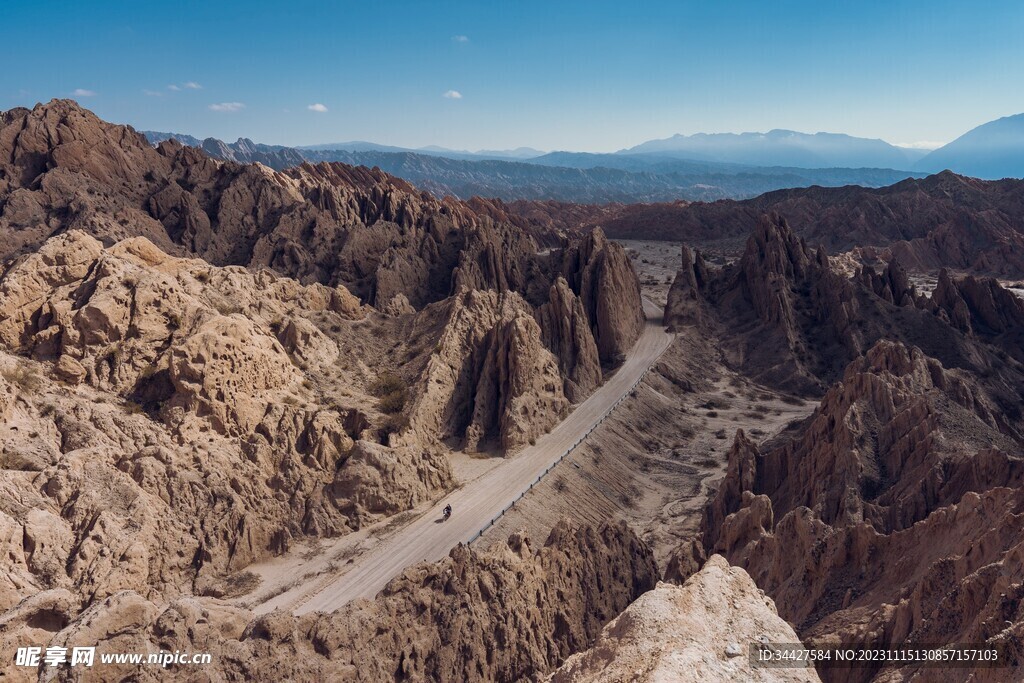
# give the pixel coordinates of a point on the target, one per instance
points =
(788, 319)
(509, 614)
(898, 499)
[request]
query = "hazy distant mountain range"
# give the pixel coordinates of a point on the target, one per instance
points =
(692, 167)
(991, 151)
(562, 176)
(784, 148)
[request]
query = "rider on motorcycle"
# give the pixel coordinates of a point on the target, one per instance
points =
(447, 511)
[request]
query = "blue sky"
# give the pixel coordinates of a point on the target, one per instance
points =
(595, 76)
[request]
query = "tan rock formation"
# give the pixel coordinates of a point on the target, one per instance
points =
(490, 379)
(565, 330)
(685, 297)
(163, 437)
(510, 614)
(697, 632)
(600, 272)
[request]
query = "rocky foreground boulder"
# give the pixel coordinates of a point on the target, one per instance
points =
(510, 614)
(694, 633)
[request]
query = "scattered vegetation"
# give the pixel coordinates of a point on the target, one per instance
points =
(715, 404)
(391, 391)
(24, 376)
(394, 424)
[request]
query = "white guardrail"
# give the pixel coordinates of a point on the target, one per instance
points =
(562, 457)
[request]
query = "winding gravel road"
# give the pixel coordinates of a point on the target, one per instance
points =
(427, 539)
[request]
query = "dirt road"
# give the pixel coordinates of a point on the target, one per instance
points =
(429, 539)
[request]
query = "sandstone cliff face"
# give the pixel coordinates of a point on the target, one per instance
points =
(373, 233)
(599, 271)
(685, 298)
(509, 614)
(490, 381)
(565, 329)
(159, 436)
(894, 500)
(696, 632)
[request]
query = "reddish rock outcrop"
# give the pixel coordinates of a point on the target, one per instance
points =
(788, 319)
(944, 220)
(977, 305)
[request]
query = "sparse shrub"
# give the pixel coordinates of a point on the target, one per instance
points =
(721, 434)
(560, 484)
(394, 425)
(26, 377)
(386, 383)
(391, 391)
(227, 307)
(712, 413)
(715, 404)
(133, 408)
(393, 402)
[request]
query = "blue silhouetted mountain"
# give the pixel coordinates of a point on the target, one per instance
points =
(782, 148)
(991, 151)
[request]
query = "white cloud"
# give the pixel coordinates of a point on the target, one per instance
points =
(152, 93)
(227, 106)
(317, 108)
(453, 95)
(192, 85)
(460, 39)
(921, 144)
(82, 92)
(173, 87)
